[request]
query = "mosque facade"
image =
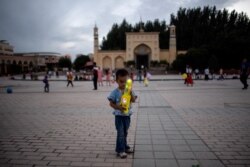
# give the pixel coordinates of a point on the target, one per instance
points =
(141, 48)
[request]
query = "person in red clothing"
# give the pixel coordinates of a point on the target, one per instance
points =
(189, 80)
(108, 76)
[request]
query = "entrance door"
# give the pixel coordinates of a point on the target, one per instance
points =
(141, 60)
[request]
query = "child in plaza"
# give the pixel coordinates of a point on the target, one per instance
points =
(147, 76)
(189, 79)
(99, 73)
(122, 120)
(46, 82)
(108, 77)
(70, 78)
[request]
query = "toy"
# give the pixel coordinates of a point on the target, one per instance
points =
(126, 97)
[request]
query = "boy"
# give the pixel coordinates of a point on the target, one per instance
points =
(122, 120)
(70, 79)
(46, 82)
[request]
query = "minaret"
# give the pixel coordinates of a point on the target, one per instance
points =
(141, 27)
(172, 44)
(96, 43)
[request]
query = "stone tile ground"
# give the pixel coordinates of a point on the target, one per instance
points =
(173, 125)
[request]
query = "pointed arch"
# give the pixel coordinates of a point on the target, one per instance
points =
(106, 62)
(119, 62)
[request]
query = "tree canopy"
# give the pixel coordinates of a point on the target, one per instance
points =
(116, 37)
(65, 62)
(224, 35)
(80, 62)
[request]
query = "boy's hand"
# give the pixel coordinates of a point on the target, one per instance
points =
(117, 107)
(121, 108)
(133, 98)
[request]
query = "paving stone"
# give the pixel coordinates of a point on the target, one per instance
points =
(188, 163)
(164, 155)
(177, 142)
(175, 136)
(166, 163)
(143, 132)
(205, 155)
(161, 147)
(211, 118)
(184, 155)
(181, 148)
(144, 163)
(160, 141)
(195, 142)
(86, 164)
(199, 148)
(160, 137)
(143, 147)
(139, 137)
(143, 141)
(211, 163)
(143, 154)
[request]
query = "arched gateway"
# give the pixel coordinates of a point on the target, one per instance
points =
(141, 48)
(142, 54)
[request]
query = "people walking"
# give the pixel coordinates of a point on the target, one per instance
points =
(197, 73)
(187, 70)
(221, 74)
(70, 78)
(244, 72)
(189, 79)
(206, 72)
(139, 75)
(147, 77)
(99, 72)
(46, 84)
(108, 77)
(95, 76)
(57, 73)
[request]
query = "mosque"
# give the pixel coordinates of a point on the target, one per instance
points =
(141, 47)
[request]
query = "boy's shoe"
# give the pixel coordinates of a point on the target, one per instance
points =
(122, 155)
(129, 151)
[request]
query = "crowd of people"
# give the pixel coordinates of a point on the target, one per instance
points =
(189, 75)
(142, 75)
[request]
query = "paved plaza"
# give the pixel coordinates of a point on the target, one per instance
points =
(172, 126)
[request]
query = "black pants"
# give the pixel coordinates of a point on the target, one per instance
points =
(70, 82)
(95, 83)
(206, 77)
(46, 88)
(243, 79)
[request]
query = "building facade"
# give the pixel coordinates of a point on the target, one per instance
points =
(25, 62)
(141, 48)
(5, 48)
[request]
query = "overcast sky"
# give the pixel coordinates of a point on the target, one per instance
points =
(66, 26)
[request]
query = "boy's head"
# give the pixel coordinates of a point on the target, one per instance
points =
(121, 77)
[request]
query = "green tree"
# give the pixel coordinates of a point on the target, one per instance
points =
(116, 37)
(195, 57)
(80, 62)
(226, 34)
(65, 62)
(213, 63)
(180, 63)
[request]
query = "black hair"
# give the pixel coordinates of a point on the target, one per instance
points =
(121, 73)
